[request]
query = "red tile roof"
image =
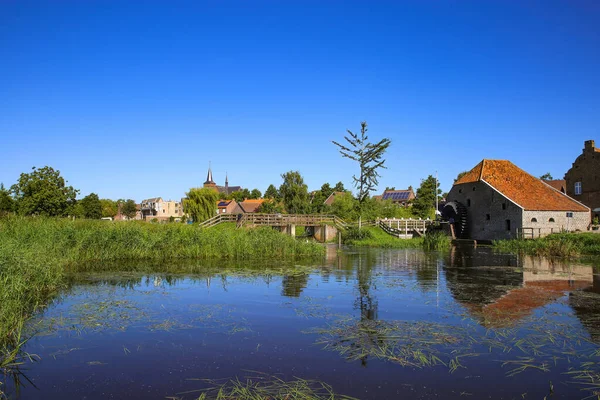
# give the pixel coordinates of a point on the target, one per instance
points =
(558, 184)
(251, 205)
(520, 187)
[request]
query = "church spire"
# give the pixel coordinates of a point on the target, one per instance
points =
(209, 178)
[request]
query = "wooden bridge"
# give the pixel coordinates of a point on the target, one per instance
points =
(400, 228)
(404, 228)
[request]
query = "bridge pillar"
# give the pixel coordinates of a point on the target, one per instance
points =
(325, 233)
(291, 230)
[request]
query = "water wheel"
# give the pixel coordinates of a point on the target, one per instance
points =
(457, 212)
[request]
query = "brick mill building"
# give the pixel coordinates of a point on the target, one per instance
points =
(583, 179)
(498, 200)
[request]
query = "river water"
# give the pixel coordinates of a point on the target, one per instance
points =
(372, 324)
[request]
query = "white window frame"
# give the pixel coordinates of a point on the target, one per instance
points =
(577, 188)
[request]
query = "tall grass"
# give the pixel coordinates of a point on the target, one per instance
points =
(436, 240)
(36, 255)
(375, 237)
(565, 245)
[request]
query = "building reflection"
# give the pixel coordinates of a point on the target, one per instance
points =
(500, 290)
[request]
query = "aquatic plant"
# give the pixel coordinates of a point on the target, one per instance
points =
(566, 245)
(264, 387)
(436, 240)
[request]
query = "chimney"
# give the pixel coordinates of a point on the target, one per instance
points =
(589, 145)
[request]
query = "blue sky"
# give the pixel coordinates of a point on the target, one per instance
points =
(132, 99)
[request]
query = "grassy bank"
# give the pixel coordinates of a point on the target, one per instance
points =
(36, 255)
(558, 245)
(370, 236)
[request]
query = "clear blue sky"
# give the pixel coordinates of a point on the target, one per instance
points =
(132, 99)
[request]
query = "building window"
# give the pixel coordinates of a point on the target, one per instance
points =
(504, 206)
(459, 190)
(533, 219)
(488, 217)
(468, 202)
(577, 188)
(551, 220)
(474, 188)
(508, 225)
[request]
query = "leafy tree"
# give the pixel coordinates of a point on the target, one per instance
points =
(255, 194)
(92, 207)
(270, 206)
(345, 206)
(294, 193)
(424, 205)
(317, 204)
(201, 204)
(129, 209)
(546, 177)
(271, 192)
(369, 157)
(43, 191)
(110, 208)
(7, 203)
(327, 190)
(241, 195)
(460, 175)
(339, 187)
(390, 188)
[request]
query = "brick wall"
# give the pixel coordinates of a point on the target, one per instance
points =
(586, 169)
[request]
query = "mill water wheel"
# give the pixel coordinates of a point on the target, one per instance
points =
(457, 212)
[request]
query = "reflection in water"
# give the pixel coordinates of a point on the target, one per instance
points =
(500, 290)
(380, 309)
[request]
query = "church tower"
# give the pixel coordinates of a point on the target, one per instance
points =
(209, 180)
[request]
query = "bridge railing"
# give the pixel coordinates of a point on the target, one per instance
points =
(275, 220)
(398, 227)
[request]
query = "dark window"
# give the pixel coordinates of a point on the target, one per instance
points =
(551, 220)
(468, 202)
(474, 188)
(508, 224)
(459, 190)
(504, 206)
(533, 219)
(488, 217)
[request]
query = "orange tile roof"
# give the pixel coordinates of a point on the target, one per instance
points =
(558, 184)
(520, 187)
(251, 205)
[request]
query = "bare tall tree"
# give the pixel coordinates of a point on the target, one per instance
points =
(369, 157)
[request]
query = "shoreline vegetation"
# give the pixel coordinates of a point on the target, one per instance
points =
(37, 254)
(562, 245)
(375, 237)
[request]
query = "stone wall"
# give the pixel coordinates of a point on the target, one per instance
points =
(544, 226)
(488, 211)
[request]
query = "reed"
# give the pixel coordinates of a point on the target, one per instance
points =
(563, 245)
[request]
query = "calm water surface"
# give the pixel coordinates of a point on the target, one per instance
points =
(373, 324)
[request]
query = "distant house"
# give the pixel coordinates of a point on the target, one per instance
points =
(583, 179)
(226, 206)
(157, 208)
(250, 205)
(498, 200)
(558, 184)
(329, 201)
(399, 197)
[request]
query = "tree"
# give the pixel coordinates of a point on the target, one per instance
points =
(369, 157)
(270, 206)
(390, 188)
(294, 193)
(460, 175)
(241, 195)
(317, 204)
(92, 207)
(271, 192)
(424, 205)
(327, 190)
(110, 208)
(7, 203)
(546, 177)
(255, 194)
(44, 192)
(339, 187)
(345, 206)
(201, 204)
(129, 208)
